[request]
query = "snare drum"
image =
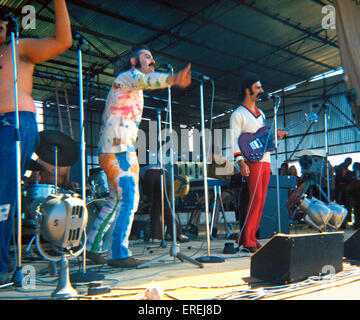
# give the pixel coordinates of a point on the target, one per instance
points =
(98, 182)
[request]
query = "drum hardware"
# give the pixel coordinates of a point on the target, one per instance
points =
(54, 149)
(57, 149)
(98, 183)
(62, 221)
(57, 146)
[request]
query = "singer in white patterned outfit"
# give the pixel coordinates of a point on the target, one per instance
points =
(117, 152)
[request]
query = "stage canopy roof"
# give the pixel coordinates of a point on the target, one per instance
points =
(283, 41)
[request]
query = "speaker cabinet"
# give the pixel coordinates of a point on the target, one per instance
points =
(269, 223)
(290, 258)
(352, 247)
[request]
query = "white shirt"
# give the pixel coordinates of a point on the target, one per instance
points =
(124, 107)
(243, 120)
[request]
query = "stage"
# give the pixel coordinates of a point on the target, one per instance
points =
(172, 279)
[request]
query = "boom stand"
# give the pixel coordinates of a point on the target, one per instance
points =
(83, 276)
(276, 107)
(18, 276)
(174, 250)
(208, 258)
(326, 115)
(162, 182)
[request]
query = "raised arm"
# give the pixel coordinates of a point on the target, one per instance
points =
(40, 50)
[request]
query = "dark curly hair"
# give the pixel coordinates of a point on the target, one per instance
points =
(123, 63)
(248, 80)
(5, 16)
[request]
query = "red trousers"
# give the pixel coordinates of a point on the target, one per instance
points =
(257, 182)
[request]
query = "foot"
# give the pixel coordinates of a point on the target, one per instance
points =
(97, 258)
(129, 262)
(251, 249)
(193, 230)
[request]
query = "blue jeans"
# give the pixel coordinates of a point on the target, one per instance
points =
(29, 137)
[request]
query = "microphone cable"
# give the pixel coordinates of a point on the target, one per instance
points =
(257, 182)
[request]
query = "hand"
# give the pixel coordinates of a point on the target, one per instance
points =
(181, 79)
(281, 134)
(244, 168)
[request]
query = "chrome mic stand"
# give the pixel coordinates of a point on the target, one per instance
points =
(162, 182)
(208, 258)
(83, 276)
(326, 115)
(18, 276)
(276, 108)
(174, 250)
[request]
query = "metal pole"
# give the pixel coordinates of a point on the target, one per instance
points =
(162, 182)
(83, 276)
(207, 258)
(327, 151)
(18, 273)
(206, 187)
(276, 106)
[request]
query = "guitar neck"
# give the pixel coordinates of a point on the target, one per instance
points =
(295, 124)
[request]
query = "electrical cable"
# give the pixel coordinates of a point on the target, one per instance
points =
(257, 179)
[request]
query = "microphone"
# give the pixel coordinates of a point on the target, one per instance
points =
(199, 76)
(77, 36)
(12, 22)
(164, 66)
(267, 96)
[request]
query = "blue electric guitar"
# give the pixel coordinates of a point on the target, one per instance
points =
(254, 145)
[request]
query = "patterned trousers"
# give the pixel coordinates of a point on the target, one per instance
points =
(122, 171)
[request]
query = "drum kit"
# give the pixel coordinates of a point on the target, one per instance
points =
(60, 150)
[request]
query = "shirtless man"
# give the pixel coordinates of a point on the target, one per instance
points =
(30, 52)
(47, 176)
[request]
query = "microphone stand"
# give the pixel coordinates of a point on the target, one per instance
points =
(83, 276)
(208, 258)
(162, 182)
(276, 107)
(18, 276)
(326, 110)
(174, 250)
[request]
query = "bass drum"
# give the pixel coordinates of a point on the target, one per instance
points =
(94, 207)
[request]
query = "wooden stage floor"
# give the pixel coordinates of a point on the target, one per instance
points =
(173, 279)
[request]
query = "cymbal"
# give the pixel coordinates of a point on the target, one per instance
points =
(34, 166)
(68, 151)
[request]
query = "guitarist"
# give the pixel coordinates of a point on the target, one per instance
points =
(248, 118)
